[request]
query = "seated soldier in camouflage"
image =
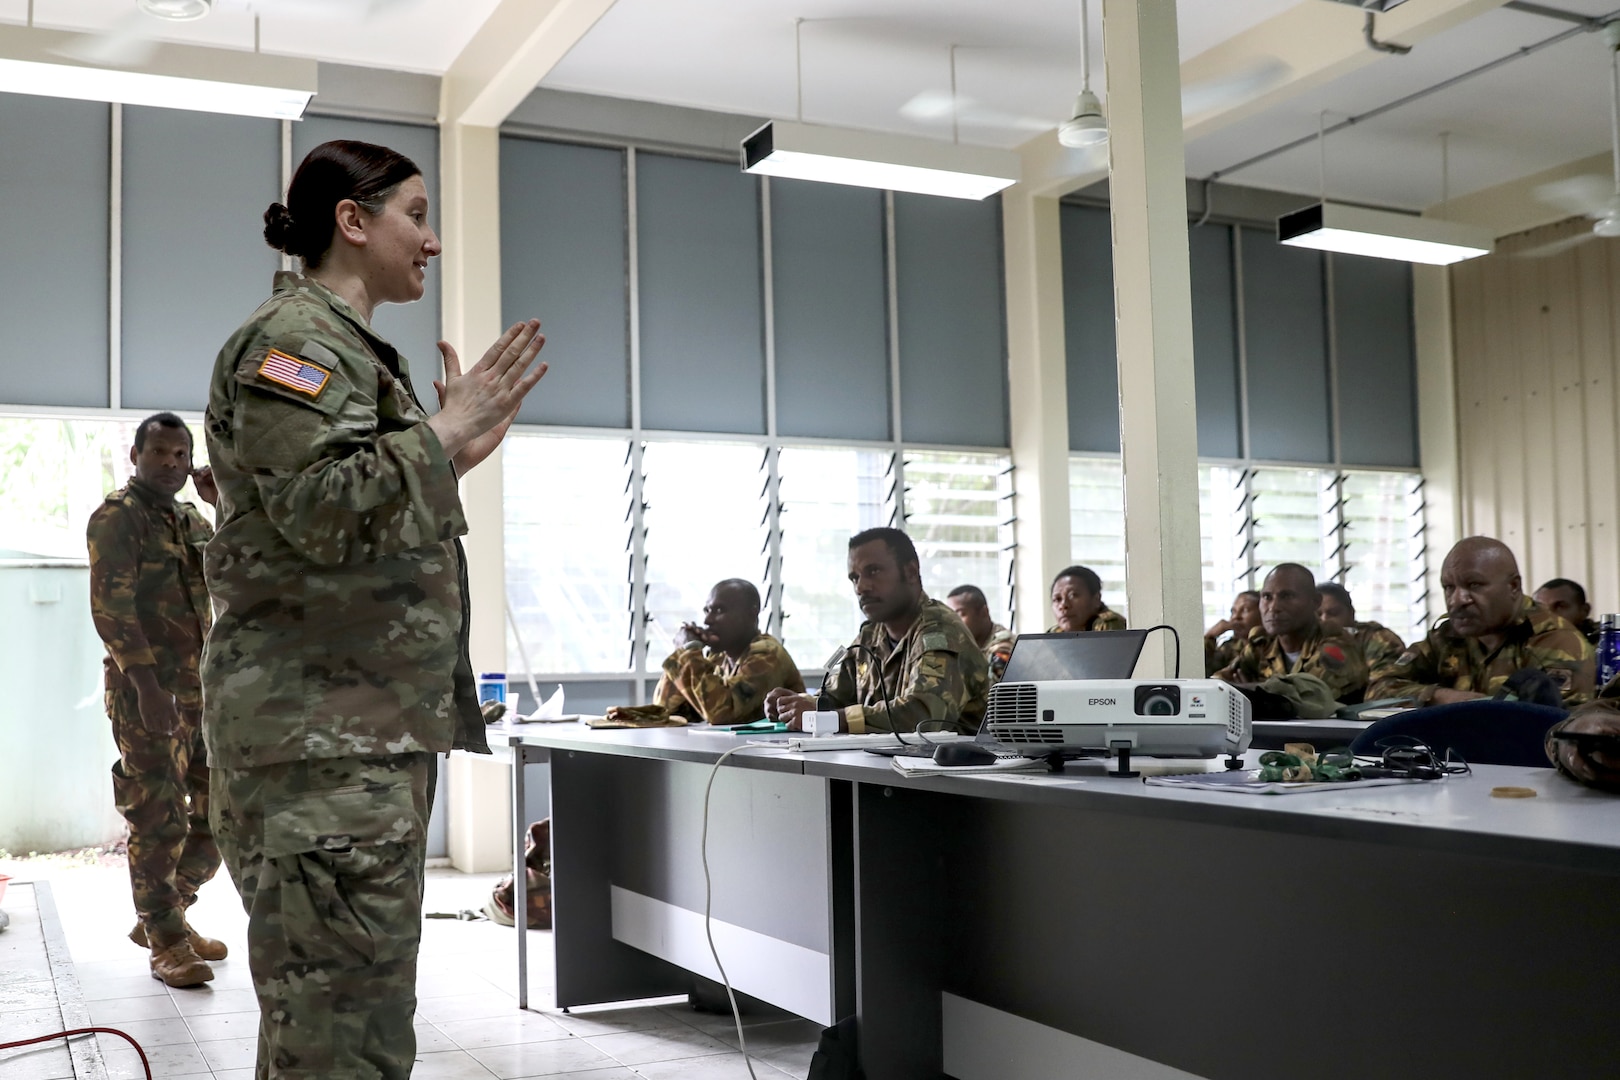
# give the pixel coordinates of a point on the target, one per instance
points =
(1492, 634)
(1077, 603)
(993, 639)
(1378, 642)
(1567, 600)
(913, 665)
(1245, 618)
(1292, 640)
(722, 670)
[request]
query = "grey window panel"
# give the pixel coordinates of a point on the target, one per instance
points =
(54, 175)
(195, 262)
(564, 261)
(1215, 366)
(832, 352)
(953, 338)
(1088, 328)
(413, 329)
(702, 308)
(1285, 330)
(1372, 315)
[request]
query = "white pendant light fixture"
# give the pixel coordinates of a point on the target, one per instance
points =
(1087, 127)
(1380, 234)
(799, 151)
(198, 78)
(1356, 230)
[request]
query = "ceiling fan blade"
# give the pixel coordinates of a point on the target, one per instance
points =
(935, 106)
(124, 44)
(1235, 88)
(1589, 195)
(931, 105)
(1556, 247)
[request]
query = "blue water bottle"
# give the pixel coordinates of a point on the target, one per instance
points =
(1608, 650)
(492, 687)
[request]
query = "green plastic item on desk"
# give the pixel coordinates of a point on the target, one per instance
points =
(761, 727)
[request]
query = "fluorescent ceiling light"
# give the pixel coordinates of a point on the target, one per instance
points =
(867, 159)
(34, 61)
(1355, 230)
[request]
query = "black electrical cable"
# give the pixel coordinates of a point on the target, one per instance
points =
(145, 1064)
(1177, 636)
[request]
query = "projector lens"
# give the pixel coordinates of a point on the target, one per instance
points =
(1158, 700)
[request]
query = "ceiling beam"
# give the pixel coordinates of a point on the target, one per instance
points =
(518, 45)
(1318, 43)
(1513, 207)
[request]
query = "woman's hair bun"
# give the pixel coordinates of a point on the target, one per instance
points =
(279, 229)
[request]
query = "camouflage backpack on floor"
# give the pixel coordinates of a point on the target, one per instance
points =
(537, 883)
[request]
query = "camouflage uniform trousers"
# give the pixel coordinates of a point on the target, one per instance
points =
(329, 855)
(160, 785)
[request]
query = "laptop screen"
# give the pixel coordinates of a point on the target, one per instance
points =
(1093, 654)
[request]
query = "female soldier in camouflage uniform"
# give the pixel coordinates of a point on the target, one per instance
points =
(337, 664)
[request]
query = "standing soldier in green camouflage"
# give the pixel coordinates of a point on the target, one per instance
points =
(1379, 644)
(721, 671)
(1293, 641)
(993, 639)
(913, 664)
(1077, 603)
(1493, 639)
(150, 606)
(337, 666)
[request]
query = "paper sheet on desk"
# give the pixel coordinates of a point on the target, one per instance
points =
(927, 766)
(549, 711)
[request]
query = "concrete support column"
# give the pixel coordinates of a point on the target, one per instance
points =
(478, 789)
(1437, 418)
(1037, 376)
(1153, 316)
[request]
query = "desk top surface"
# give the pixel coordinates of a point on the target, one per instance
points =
(1565, 824)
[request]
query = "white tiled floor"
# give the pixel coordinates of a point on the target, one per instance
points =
(468, 1023)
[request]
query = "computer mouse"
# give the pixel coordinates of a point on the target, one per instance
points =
(963, 752)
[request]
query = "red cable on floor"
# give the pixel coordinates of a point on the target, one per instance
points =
(147, 1065)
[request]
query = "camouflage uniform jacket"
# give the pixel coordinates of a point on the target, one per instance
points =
(1219, 656)
(710, 685)
(1332, 657)
(147, 594)
(339, 584)
(1379, 644)
(1447, 660)
(1106, 619)
(935, 673)
(998, 650)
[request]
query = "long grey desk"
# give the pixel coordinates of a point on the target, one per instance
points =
(1026, 925)
(1031, 926)
(627, 876)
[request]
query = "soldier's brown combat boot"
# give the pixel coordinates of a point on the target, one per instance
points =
(206, 948)
(179, 965)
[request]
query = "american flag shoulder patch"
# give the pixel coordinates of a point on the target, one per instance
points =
(294, 374)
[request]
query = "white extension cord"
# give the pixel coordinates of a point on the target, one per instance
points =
(708, 905)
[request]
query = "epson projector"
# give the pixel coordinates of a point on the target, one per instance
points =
(1199, 718)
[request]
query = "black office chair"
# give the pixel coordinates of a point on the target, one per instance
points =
(1481, 732)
